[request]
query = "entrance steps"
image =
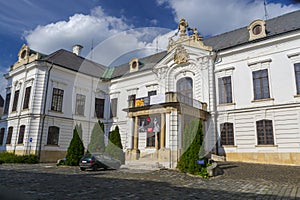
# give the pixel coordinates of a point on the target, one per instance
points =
(142, 165)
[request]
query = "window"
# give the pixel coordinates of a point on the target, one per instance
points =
(21, 134)
(261, 84)
(9, 135)
(297, 75)
(80, 104)
(227, 135)
(151, 93)
(131, 101)
(27, 98)
(7, 102)
(57, 99)
(225, 91)
(185, 90)
(16, 98)
(2, 130)
(113, 107)
(264, 130)
(53, 135)
(99, 107)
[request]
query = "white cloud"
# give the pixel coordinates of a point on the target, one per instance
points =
(218, 16)
(79, 29)
(112, 37)
(3, 84)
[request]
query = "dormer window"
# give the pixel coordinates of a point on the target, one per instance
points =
(23, 53)
(257, 29)
(134, 65)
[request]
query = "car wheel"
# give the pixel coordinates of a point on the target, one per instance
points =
(82, 168)
(95, 167)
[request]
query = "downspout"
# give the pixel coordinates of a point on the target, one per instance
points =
(215, 100)
(44, 111)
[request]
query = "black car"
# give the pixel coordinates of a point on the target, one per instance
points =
(95, 161)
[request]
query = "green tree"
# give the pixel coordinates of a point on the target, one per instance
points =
(114, 147)
(192, 142)
(97, 139)
(75, 150)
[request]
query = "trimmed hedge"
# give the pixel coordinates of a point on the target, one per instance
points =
(7, 157)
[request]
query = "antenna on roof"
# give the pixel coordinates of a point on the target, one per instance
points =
(266, 12)
(92, 49)
(156, 45)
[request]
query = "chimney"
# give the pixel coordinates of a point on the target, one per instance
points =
(77, 49)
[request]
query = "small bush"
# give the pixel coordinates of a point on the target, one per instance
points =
(7, 157)
(75, 150)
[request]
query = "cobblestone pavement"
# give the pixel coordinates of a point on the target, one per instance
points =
(239, 181)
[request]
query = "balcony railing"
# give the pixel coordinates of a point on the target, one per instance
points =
(169, 97)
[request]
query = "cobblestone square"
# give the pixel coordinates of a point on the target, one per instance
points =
(239, 181)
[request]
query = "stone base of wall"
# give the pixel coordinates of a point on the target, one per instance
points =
(265, 158)
(52, 156)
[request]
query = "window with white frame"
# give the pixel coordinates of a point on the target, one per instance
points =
(2, 131)
(80, 104)
(53, 135)
(113, 107)
(297, 76)
(21, 134)
(227, 134)
(225, 90)
(27, 97)
(57, 100)
(261, 84)
(16, 99)
(264, 130)
(7, 102)
(9, 135)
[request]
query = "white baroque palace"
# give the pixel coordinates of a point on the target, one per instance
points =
(243, 85)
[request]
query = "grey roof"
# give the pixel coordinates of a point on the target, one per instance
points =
(144, 64)
(276, 26)
(75, 63)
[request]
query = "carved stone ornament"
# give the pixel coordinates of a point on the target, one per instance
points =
(181, 56)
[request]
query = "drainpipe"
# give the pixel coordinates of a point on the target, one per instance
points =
(44, 111)
(214, 106)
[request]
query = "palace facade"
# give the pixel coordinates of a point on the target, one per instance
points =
(244, 85)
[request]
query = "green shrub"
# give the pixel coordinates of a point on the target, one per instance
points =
(114, 147)
(192, 142)
(96, 144)
(7, 157)
(75, 150)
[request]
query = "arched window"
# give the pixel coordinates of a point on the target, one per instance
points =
(53, 135)
(9, 135)
(227, 134)
(2, 130)
(21, 134)
(185, 90)
(264, 130)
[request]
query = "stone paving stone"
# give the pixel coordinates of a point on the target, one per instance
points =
(239, 181)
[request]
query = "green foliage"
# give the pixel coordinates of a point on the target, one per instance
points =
(79, 130)
(192, 142)
(97, 139)
(75, 150)
(7, 157)
(114, 147)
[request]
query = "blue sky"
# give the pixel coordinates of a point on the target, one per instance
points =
(47, 25)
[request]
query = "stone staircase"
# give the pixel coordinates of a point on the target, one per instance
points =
(142, 165)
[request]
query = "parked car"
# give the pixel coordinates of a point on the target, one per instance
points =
(96, 161)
